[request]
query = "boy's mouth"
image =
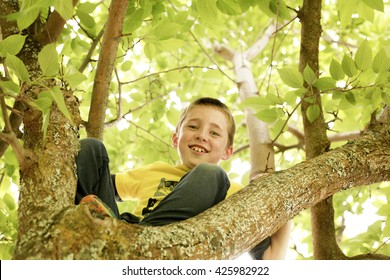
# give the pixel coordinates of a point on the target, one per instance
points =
(198, 149)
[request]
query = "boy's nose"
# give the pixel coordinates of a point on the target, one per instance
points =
(202, 135)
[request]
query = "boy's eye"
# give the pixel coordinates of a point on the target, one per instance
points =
(191, 126)
(213, 133)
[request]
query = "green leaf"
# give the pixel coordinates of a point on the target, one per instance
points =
(170, 44)
(45, 123)
(336, 70)
(85, 19)
(12, 45)
(133, 20)
(9, 87)
(246, 4)
(259, 103)
(64, 8)
(48, 60)
(363, 57)
(256, 103)
(87, 8)
(291, 77)
(207, 10)
(368, 14)
(386, 98)
(308, 75)
(58, 97)
(229, 7)
(166, 30)
(126, 66)
(375, 4)
(376, 98)
(150, 50)
(29, 11)
(350, 97)
(299, 92)
(279, 8)
(384, 210)
(383, 78)
(9, 201)
(345, 10)
(381, 62)
(386, 229)
(173, 116)
(75, 79)
(18, 67)
(349, 66)
(312, 112)
(325, 83)
(44, 101)
(267, 115)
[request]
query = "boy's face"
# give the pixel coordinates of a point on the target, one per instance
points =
(203, 137)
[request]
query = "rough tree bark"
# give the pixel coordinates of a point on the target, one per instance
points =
(47, 172)
(316, 141)
(231, 227)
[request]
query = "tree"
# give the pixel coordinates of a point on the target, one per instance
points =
(44, 94)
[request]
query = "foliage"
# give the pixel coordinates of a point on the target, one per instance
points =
(166, 59)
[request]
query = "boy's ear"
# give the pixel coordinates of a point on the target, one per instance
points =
(175, 138)
(228, 153)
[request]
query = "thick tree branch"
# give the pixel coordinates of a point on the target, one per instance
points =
(52, 29)
(111, 38)
(230, 228)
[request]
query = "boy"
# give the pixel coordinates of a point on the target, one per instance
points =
(167, 193)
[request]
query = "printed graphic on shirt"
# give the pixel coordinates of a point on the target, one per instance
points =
(163, 189)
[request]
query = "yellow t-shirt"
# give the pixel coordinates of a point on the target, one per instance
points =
(151, 183)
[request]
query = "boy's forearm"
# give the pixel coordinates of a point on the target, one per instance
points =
(279, 243)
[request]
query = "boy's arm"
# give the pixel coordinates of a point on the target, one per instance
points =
(279, 243)
(279, 240)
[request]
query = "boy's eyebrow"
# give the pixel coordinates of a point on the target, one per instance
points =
(212, 124)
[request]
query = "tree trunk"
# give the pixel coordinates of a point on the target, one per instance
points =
(226, 230)
(47, 177)
(316, 141)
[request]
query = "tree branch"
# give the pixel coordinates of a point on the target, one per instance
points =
(107, 56)
(260, 209)
(90, 51)
(9, 135)
(52, 29)
(259, 46)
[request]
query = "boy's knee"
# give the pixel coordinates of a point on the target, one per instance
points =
(212, 173)
(209, 169)
(90, 143)
(92, 147)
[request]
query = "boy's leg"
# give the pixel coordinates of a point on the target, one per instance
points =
(94, 174)
(201, 188)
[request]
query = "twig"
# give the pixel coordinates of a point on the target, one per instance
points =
(9, 135)
(166, 71)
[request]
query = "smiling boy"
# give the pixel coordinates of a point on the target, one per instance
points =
(167, 193)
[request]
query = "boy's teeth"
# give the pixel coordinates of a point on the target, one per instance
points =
(198, 149)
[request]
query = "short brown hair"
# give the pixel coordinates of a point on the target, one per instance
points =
(208, 101)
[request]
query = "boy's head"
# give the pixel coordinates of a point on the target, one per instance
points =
(205, 132)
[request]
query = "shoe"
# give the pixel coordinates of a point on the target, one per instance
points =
(94, 202)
